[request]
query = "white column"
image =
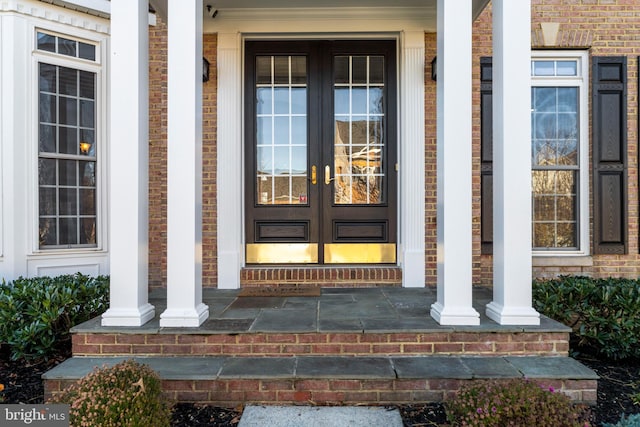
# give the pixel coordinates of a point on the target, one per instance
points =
(184, 167)
(229, 177)
(129, 160)
(512, 300)
(454, 302)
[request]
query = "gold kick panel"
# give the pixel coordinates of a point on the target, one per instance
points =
(334, 253)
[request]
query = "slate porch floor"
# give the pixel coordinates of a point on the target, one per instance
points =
(363, 310)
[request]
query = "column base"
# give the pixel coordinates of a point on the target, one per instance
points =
(184, 318)
(455, 316)
(128, 316)
(525, 316)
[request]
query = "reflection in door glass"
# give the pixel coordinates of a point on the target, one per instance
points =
(359, 129)
(281, 139)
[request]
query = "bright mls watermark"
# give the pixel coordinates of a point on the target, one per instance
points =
(34, 415)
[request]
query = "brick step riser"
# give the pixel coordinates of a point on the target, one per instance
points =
(234, 392)
(321, 344)
(325, 277)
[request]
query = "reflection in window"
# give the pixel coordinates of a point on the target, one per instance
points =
(281, 130)
(555, 156)
(67, 156)
(359, 129)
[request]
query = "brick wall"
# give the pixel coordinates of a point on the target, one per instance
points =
(606, 28)
(158, 159)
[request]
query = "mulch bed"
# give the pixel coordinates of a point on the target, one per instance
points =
(618, 382)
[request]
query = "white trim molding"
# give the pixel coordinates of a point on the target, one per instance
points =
(401, 24)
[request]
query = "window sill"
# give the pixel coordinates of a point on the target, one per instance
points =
(562, 261)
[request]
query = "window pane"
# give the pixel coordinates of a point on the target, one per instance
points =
(87, 51)
(88, 231)
(67, 47)
(47, 139)
(263, 70)
(68, 138)
(68, 81)
(48, 232)
(68, 111)
(543, 68)
(567, 99)
(264, 134)
(566, 235)
(87, 85)
(281, 131)
(375, 100)
(359, 101)
(87, 174)
(341, 101)
(47, 201)
(46, 42)
(68, 201)
(281, 70)
(68, 231)
(376, 69)
(47, 78)
(67, 172)
(47, 108)
(299, 101)
(47, 171)
(298, 70)
(544, 99)
(281, 100)
(263, 104)
(358, 69)
(299, 130)
(341, 69)
(87, 114)
(566, 68)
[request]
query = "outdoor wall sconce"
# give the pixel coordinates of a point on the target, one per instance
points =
(205, 69)
(434, 68)
(84, 147)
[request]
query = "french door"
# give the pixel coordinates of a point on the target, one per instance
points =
(320, 135)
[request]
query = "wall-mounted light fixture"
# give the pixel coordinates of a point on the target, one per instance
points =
(434, 68)
(84, 147)
(205, 69)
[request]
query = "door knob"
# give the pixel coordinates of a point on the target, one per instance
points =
(314, 175)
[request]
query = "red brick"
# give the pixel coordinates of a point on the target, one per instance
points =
(326, 349)
(509, 347)
(377, 385)
(161, 339)
(373, 338)
(296, 349)
(210, 385)
(177, 385)
(356, 348)
(282, 338)
(312, 385)
(191, 339)
(418, 348)
(116, 349)
(192, 396)
(447, 347)
(360, 396)
(221, 339)
(176, 349)
(328, 397)
(312, 338)
(77, 339)
(236, 349)
(146, 349)
(101, 339)
(87, 349)
(260, 396)
(251, 339)
(478, 347)
(206, 349)
(345, 385)
(130, 339)
(266, 348)
(244, 385)
(277, 385)
(404, 338)
(444, 384)
(343, 338)
(410, 385)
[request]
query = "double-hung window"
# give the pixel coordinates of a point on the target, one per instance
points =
(559, 148)
(68, 137)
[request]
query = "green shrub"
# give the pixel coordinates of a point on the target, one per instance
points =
(516, 402)
(37, 313)
(603, 313)
(630, 421)
(127, 394)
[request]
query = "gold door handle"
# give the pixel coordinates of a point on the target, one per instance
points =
(327, 175)
(314, 175)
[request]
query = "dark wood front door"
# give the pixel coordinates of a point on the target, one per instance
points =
(321, 171)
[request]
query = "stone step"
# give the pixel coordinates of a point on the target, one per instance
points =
(335, 380)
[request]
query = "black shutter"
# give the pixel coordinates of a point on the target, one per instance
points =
(486, 155)
(609, 154)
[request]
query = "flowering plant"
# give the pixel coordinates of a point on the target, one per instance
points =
(126, 394)
(516, 402)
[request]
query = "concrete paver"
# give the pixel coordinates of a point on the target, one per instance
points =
(319, 416)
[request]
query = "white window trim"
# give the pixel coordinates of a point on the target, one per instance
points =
(582, 82)
(98, 67)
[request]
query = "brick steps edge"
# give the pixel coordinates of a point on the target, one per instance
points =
(229, 381)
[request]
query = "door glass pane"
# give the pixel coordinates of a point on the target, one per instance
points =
(281, 130)
(358, 134)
